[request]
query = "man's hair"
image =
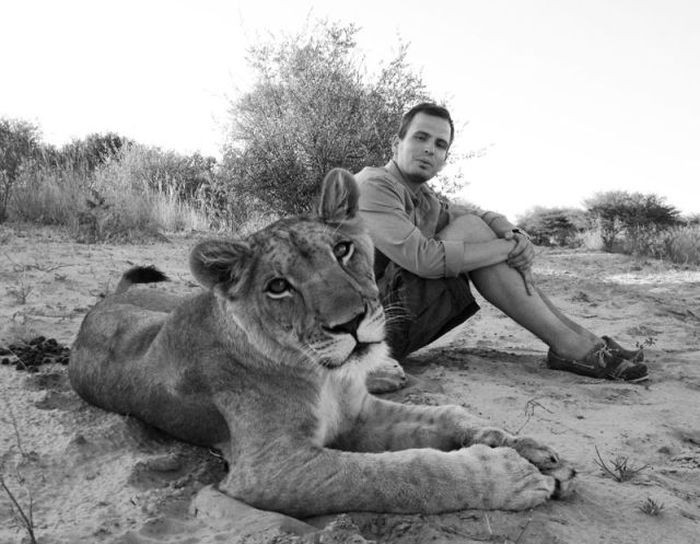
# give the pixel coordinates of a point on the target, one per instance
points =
(429, 108)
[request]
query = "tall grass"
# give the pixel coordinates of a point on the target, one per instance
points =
(49, 196)
(117, 202)
(680, 245)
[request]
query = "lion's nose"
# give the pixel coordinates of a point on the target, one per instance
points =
(349, 327)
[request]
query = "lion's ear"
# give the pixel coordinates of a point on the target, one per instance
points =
(339, 196)
(214, 262)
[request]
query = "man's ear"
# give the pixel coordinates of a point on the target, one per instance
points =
(215, 262)
(395, 144)
(339, 196)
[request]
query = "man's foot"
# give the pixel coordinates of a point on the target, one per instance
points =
(387, 376)
(634, 355)
(600, 362)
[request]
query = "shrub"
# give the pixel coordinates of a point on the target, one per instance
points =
(51, 196)
(640, 217)
(681, 245)
(19, 147)
(312, 108)
(553, 226)
(91, 152)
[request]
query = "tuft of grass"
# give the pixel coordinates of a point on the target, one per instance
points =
(620, 469)
(682, 245)
(651, 508)
(116, 202)
(49, 196)
(20, 292)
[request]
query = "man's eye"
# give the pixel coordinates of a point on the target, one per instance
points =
(278, 288)
(343, 250)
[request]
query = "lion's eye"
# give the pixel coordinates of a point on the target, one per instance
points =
(343, 250)
(278, 288)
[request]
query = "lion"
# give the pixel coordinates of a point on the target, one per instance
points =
(268, 364)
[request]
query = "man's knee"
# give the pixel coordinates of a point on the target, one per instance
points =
(467, 228)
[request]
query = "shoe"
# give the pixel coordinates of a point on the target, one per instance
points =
(600, 362)
(636, 356)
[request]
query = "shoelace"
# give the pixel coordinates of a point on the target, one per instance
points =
(601, 355)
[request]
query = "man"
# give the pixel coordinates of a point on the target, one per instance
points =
(428, 252)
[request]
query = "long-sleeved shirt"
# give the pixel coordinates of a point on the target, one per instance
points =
(403, 223)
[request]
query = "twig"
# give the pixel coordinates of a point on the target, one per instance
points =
(522, 531)
(27, 520)
(530, 412)
(13, 420)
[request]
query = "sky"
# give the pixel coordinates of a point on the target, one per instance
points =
(567, 97)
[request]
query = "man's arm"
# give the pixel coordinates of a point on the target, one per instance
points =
(397, 237)
(521, 256)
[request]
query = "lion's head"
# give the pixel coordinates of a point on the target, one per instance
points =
(302, 288)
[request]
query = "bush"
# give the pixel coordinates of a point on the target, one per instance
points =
(310, 110)
(114, 203)
(679, 245)
(19, 148)
(89, 153)
(554, 226)
(640, 217)
(50, 196)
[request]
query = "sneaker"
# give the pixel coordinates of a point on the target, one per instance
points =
(600, 362)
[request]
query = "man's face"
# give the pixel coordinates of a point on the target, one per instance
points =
(422, 152)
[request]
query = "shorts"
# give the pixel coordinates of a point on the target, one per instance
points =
(420, 310)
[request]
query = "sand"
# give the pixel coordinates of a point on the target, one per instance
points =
(98, 477)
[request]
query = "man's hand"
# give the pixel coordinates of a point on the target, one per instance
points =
(521, 257)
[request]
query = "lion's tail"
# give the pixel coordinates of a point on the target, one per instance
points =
(140, 274)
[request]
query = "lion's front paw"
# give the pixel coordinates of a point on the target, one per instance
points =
(548, 462)
(386, 376)
(507, 481)
(543, 457)
(564, 476)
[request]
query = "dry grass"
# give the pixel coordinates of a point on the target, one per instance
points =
(108, 205)
(682, 245)
(651, 508)
(620, 469)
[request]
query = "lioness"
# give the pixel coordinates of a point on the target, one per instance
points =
(268, 365)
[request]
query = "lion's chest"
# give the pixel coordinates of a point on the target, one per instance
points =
(338, 403)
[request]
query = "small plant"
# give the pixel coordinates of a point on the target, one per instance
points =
(651, 508)
(20, 293)
(621, 470)
(648, 342)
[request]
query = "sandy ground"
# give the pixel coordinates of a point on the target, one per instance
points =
(99, 477)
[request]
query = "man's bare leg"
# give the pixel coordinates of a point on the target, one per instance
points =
(504, 287)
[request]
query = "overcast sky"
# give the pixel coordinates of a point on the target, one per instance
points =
(570, 97)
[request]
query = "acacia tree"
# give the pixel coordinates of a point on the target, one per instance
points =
(637, 215)
(19, 143)
(553, 226)
(313, 108)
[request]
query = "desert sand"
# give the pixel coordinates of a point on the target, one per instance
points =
(98, 477)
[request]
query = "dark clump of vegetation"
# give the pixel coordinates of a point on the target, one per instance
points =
(638, 224)
(554, 226)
